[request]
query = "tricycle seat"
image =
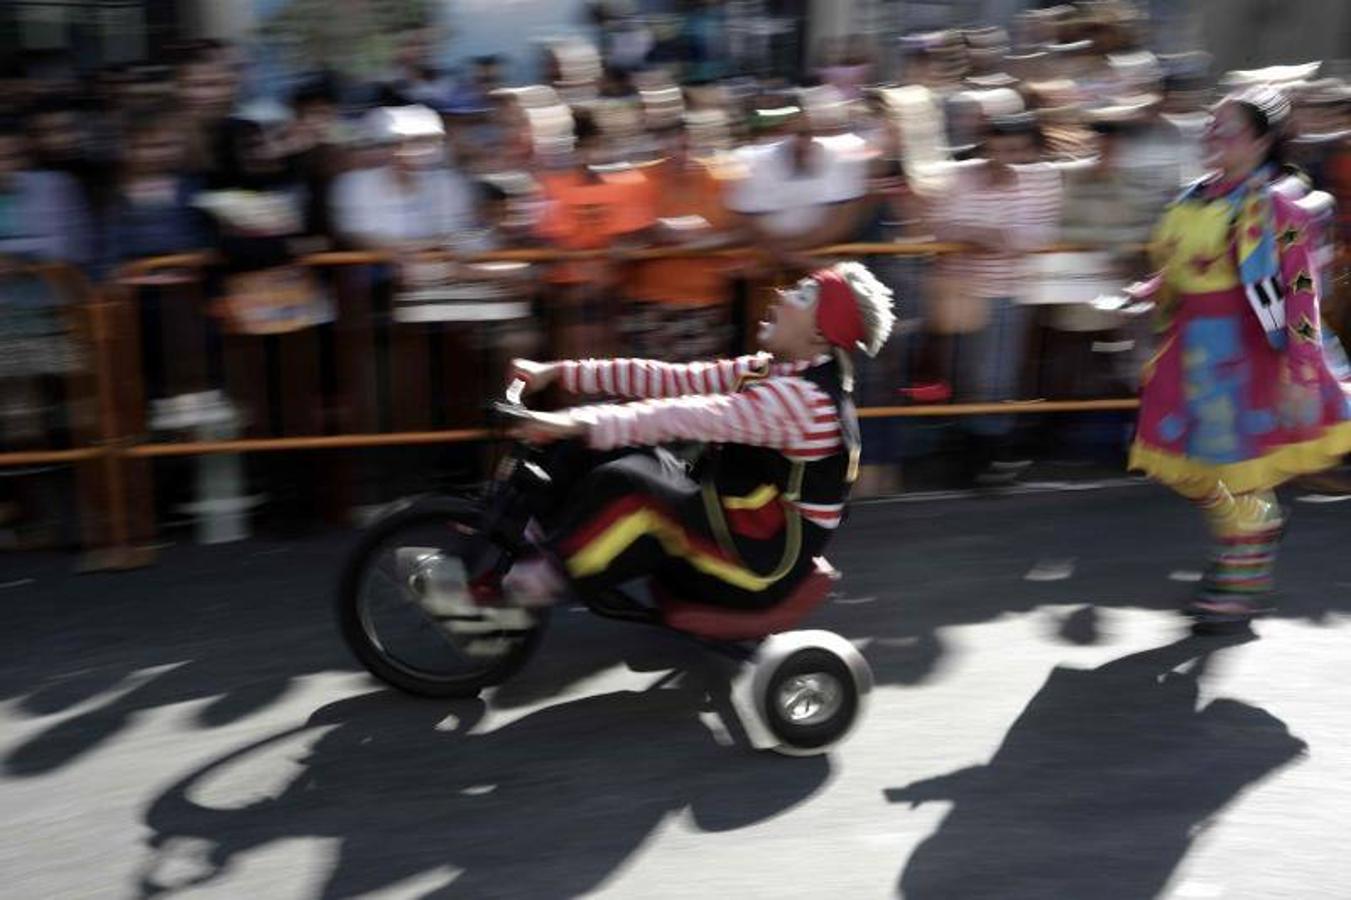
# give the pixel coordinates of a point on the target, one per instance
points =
(724, 623)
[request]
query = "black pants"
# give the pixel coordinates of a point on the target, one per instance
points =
(642, 515)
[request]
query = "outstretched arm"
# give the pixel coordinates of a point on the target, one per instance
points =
(650, 379)
(779, 412)
(643, 379)
(786, 413)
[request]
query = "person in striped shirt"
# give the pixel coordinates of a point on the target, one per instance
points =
(741, 527)
(1006, 206)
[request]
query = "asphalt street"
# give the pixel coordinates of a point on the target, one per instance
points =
(1043, 727)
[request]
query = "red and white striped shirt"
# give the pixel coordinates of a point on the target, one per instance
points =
(748, 400)
(648, 379)
(1029, 211)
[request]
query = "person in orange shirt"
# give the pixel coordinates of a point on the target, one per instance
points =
(598, 205)
(679, 305)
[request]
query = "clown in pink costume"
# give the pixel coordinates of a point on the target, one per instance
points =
(1239, 397)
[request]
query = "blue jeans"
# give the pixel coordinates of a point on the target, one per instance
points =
(987, 365)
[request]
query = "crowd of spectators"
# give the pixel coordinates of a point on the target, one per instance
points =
(1063, 129)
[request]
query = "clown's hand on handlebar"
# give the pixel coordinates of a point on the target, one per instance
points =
(535, 376)
(546, 427)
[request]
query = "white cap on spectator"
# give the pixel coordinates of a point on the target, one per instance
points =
(1273, 75)
(924, 151)
(1139, 69)
(996, 101)
(1071, 47)
(531, 96)
(401, 123)
(264, 111)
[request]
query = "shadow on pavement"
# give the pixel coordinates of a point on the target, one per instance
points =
(235, 626)
(549, 805)
(1099, 787)
(238, 625)
(927, 566)
(554, 803)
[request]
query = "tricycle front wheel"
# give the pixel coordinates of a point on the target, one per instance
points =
(384, 617)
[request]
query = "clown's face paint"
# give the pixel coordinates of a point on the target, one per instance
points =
(1231, 143)
(788, 329)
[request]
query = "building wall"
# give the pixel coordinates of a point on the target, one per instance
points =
(224, 21)
(1246, 34)
(511, 28)
(92, 33)
(1239, 33)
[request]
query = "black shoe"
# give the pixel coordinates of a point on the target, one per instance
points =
(1216, 628)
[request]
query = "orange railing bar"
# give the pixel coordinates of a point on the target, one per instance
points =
(22, 458)
(546, 254)
(1011, 407)
(323, 442)
(452, 436)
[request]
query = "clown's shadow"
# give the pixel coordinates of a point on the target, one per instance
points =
(1099, 787)
(549, 805)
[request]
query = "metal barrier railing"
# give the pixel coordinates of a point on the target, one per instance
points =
(85, 386)
(75, 310)
(118, 445)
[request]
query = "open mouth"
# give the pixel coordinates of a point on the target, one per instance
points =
(771, 316)
(765, 327)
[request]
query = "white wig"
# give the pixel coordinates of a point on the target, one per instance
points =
(873, 299)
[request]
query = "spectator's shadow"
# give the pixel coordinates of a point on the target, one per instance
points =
(1099, 787)
(237, 695)
(549, 805)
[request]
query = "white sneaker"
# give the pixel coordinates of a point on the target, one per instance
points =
(440, 587)
(533, 583)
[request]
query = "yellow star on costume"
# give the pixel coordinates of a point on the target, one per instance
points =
(1290, 237)
(1303, 283)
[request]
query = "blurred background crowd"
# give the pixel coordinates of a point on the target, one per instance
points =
(689, 159)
